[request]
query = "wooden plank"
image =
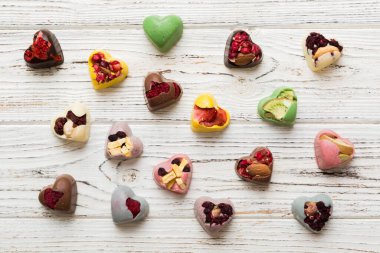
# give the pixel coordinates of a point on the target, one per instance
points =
(186, 235)
(32, 158)
(119, 14)
(344, 93)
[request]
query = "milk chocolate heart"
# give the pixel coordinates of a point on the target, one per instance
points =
(121, 143)
(332, 151)
(73, 124)
(61, 196)
(321, 52)
(241, 52)
(163, 32)
(45, 51)
(280, 107)
(313, 213)
(126, 207)
(106, 71)
(160, 92)
(257, 167)
(207, 116)
(213, 214)
(174, 174)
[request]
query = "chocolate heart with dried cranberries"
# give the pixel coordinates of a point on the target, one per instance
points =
(61, 196)
(257, 167)
(241, 51)
(213, 214)
(45, 51)
(127, 207)
(174, 174)
(160, 92)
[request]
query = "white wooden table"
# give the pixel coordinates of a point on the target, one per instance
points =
(345, 98)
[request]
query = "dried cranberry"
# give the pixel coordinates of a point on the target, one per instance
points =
(51, 197)
(121, 134)
(133, 206)
(162, 172)
(317, 40)
(225, 212)
(157, 88)
(319, 217)
(176, 161)
(112, 137)
(58, 126)
(187, 168)
(75, 119)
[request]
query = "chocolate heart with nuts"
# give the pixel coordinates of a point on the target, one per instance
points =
(73, 124)
(257, 167)
(160, 92)
(121, 143)
(313, 213)
(241, 51)
(61, 196)
(332, 151)
(127, 207)
(213, 214)
(45, 51)
(174, 174)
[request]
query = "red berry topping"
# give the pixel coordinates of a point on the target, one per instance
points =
(157, 88)
(105, 71)
(51, 197)
(133, 206)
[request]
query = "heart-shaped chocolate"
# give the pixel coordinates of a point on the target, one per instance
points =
(160, 92)
(332, 151)
(280, 107)
(106, 71)
(127, 207)
(241, 51)
(321, 52)
(257, 167)
(60, 196)
(174, 174)
(45, 51)
(207, 116)
(313, 213)
(73, 124)
(213, 214)
(163, 32)
(121, 143)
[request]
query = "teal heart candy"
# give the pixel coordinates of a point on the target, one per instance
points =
(280, 107)
(163, 32)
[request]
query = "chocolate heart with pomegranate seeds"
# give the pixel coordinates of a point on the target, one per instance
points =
(121, 143)
(241, 51)
(321, 52)
(106, 71)
(160, 92)
(257, 167)
(45, 51)
(174, 174)
(213, 214)
(61, 196)
(313, 213)
(73, 124)
(207, 116)
(332, 151)
(127, 207)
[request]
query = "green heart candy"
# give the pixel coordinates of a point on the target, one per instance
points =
(280, 107)
(163, 32)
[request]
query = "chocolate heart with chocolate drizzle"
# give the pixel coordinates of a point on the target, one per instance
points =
(160, 92)
(45, 51)
(61, 196)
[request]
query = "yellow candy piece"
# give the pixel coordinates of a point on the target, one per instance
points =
(101, 85)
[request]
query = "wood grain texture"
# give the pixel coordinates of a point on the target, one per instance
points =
(344, 98)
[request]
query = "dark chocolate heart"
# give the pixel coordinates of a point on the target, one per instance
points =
(241, 51)
(45, 51)
(62, 195)
(160, 92)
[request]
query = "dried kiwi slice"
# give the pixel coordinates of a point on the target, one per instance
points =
(288, 94)
(277, 107)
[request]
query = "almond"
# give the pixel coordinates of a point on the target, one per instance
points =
(259, 170)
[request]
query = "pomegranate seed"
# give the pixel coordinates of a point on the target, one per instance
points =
(232, 55)
(255, 49)
(100, 77)
(96, 67)
(245, 50)
(96, 58)
(234, 49)
(115, 66)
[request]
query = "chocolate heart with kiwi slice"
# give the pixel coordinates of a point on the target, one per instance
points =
(332, 152)
(280, 107)
(241, 51)
(45, 51)
(174, 174)
(213, 214)
(313, 213)
(60, 196)
(121, 143)
(257, 167)
(160, 92)
(126, 207)
(163, 32)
